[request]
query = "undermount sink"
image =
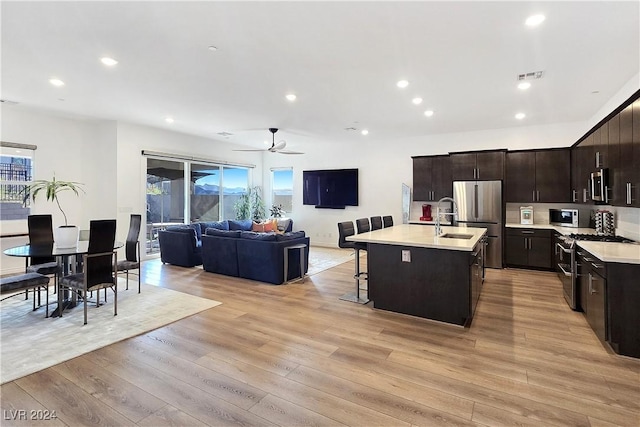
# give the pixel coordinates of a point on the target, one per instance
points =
(456, 236)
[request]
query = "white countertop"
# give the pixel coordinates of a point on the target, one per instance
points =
(420, 236)
(626, 253)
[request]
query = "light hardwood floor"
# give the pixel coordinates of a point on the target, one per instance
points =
(296, 355)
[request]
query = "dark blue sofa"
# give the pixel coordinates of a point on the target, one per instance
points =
(255, 256)
(181, 244)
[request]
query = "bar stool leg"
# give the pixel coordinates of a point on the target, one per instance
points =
(355, 296)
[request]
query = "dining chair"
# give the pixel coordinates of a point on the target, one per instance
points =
(132, 249)
(100, 265)
(40, 229)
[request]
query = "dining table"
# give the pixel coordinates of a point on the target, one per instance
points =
(67, 259)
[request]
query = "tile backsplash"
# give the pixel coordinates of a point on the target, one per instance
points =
(627, 220)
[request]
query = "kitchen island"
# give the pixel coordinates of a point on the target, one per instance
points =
(413, 271)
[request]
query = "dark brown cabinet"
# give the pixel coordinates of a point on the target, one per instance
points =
(526, 247)
(538, 176)
(614, 145)
(593, 289)
(477, 165)
(431, 178)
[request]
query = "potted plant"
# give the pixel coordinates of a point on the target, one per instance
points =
(67, 235)
(250, 205)
(277, 211)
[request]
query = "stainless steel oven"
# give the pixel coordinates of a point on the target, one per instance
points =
(565, 266)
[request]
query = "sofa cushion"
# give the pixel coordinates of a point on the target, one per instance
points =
(240, 224)
(257, 227)
(190, 229)
(218, 225)
(252, 235)
(292, 235)
(223, 233)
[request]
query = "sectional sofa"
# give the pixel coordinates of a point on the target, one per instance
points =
(231, 248)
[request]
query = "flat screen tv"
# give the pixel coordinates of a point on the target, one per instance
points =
(330, 188)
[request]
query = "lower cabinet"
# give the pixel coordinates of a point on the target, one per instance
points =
(528, 247)
(592, 280)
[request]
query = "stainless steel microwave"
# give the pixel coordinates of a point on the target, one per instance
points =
(565, 217)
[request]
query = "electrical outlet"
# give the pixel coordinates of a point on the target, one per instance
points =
(406, 255)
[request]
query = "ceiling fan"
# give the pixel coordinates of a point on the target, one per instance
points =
(275, 148)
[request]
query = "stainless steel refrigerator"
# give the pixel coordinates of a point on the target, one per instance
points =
(480, 205)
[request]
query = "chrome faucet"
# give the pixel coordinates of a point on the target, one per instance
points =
(453, 214)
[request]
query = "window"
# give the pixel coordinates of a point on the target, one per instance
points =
(282, 188)
(16, 172)
(211, 193)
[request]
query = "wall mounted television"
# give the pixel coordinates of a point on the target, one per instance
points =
(330, 188)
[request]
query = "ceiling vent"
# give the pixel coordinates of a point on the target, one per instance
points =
(534, 75)
(350, 129)
(225, 134)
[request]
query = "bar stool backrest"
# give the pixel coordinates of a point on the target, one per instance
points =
(376, 223)
(363, 225)
(387, 220)
(345, 229)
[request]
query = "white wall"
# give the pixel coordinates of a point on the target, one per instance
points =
(385, 165)
(105, 156)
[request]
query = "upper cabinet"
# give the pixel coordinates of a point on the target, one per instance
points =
(431, 178)
(615, 146)
(538, 176)
(477, 166)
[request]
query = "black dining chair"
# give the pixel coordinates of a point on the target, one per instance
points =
(387, 220)
(40, 228)
(100, 265)
(132, 249)
(346, 229)
(376, 223)
(363, 226)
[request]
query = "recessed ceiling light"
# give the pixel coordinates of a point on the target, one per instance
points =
(524, 85)
(428, 113)
(212, 48)
(402, 84)
(291, 97)
(520, 116)
(365, 132)
(169, 120)
(56, 82)
(417, 100)
(109, 62)
(534, 20)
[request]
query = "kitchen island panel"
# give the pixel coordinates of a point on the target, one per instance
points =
(434, 285)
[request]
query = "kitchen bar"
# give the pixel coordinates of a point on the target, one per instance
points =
(413, 271)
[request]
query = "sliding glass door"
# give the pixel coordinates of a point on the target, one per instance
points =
(210, 194)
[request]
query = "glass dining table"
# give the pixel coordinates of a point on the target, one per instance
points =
(67, 259)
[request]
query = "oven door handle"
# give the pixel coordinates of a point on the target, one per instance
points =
(566, 273)
(563, 249)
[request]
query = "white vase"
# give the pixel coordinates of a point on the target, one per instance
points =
(66, 236)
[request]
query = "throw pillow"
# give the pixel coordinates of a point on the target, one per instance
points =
(257, 227)
(268, 237)
(271, 225)
(283, 223)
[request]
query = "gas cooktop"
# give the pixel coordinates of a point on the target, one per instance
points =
(599, 238)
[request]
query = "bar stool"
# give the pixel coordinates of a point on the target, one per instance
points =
(387, 221)
(301, 247)
(376, 223)
(363, 226)
(346, 229)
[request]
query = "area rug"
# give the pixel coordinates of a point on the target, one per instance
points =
(321, 259)
(29, 342)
